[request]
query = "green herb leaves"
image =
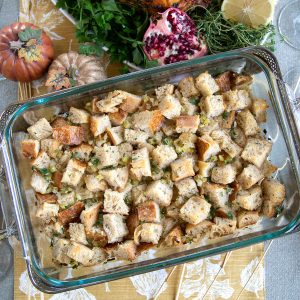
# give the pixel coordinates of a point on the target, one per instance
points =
(28, 33)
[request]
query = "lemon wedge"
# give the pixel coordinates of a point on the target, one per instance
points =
(249, 12)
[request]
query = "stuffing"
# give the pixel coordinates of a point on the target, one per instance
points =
(247, 218)
(108, 156)
(174, 237)
(39, 183)
(89, 215)
(273, 190)
(42, 161)
(238, 136)
(30, 148)
(55, 229)
(250, 199)
(223, 174)
(189, 106)
(163, 155)
(66, 200)
(186, 187)
(148, 211)
(70, 214)
(206, 84)
(110, 103)
(159, 192)
(114, 203)
(212, 105)
(187, 87)
(217, 194)
(131, 102)
(195, 210)
(99, 256)
(125, 149)
(168, 127)
(132, 222)
(69, 135)
(182, 168)
(124, 251)
(256, 151)
(246, 121)
(117, 178)
(204, 168)
(148, 121)
(74, 172)
(237, 100)
(224, 81)
(97, 236)
(162, 91)
(170, 107)
(82, 152)
(259, 110)
(268, 169)
(77, 233)
(140, 164)
(115, 227)
(59, 122)
(187, 123)
(78, 116)
(148, 233)
(116, 135)
(94, 184)
(207, 147)
(222, 227)
(99, 124)
(198, 231)
(135, 137)
(49, 198)
(47, 211)
(269, 209)
(138, 194)
(241, 81)
(80, 253)
(60, 249)
(117, 118)
(40, 130)
(250, 176)
(52, 147)
(227, 119)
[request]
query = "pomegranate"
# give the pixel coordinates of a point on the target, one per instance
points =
(172, 38)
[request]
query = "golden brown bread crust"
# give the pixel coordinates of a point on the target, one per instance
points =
(49, 198)
(69, 135)
(70, 214)
(117, 118)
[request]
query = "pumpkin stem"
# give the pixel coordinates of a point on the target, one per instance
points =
(16, 45)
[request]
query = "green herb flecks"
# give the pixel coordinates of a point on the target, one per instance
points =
(194, 101)
(94, 161)
(225, 115)
(167, 141)
(278, 210)
(100, 219)
(230, 215)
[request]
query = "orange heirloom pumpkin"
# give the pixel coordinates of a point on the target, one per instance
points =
(25, 52)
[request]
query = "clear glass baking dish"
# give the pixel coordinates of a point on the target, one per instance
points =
(281, 129)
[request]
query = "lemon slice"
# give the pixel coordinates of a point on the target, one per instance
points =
(249, 12)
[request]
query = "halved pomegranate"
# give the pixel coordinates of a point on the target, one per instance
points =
(172, 38)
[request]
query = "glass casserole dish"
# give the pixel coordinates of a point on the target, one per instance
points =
(280, 127)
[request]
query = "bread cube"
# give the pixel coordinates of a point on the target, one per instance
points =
(117, 178)
(97, 236)
(117, 118)
(164, 155)
(114, 203)
(195, 210)
(89, 215)
(60, 249)
(198, 231)
(259, 110)
(223, 174)
(39, 183)
(115, 227)
(250, 199)
(212, 105)
(240, 81)
(112, 100)
(47, 211)
(205, 168)
(82, 152)
(238, 136)
(125, 251)
(30, 148)
(170, 107)
(138, 194)
(227, 119)
(108, 156)
(256, 151)
(269, 209)
(125, 149)
(135, 137)
(40, 130)
(237, 100)
(182, 168)
(131, 102)
(69, 135)
(99, 124)
(74, 172)
(174, 237)
(78, 116)
(148, 233)
(77, 233)
(70, 214)
(140, 164)
(49, 198)
(94, 184)
(247, 218)
(99, 256)
(268, 169)
(159, 192)
(222, 227)
(162, 91)
(247, 123)
(186, 187)
(54, 229)
(187, 123)
(80, 253)
(207, 147)
(42, 161)
(224, 81)
(149, 212)
(65, 200)
(187, 87)
(116, 134)
(188, 106)
(250, 176)
(274, 191)
(218, 194)
(52, 147)
(206, 84)
(148, 121)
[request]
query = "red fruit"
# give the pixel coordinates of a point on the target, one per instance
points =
(172, 38)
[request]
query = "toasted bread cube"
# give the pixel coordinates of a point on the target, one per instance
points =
(52, 147)
(222, 227)
(70, 214)
(138, 194)
(164, 155)
(60, 249)
(186, 187)
(268, 169)
(131, 102)
(206, 84)
(188, 106)
(227, 119)
(237, 99)
(117, 118)
(207, 147)
(250, 176)
(40, 130)
(198, 231)
(274, 191)
(162, 91)
(256, 151)
(149, 212)
(195, 210)
(89, 215)
(247, 218)
(205, 168)
(174, 237)
(116, 135)
(110, 103)
(224, 174)
(182, 168)
(47, 211)
(54, 229)
(69, 135)
(117, 178)
(170, 107)
(159, 192)
(42, 161)
(187, 87)
(250, 199)
(94, 184)
(99, 124)
(30, 148)
(99, 256)
(65, 200)
(59, 122)
(80, 253)
(269, 209)
(74, 172)
(83, 193)
(115, 227)
(259, 109)
(148, 233)
(114, 203)
(140, 165)
(212, 105)
(39, 183)
(78, 116)
(148, 121)
(218, 194)
(238, 136)
(135, 137)
(187, 124)
(173, 211)
(240, 81)
(49, 198)
(132, 223)
(125, 251)
(77, 233)
(82, 152)
(125, 149)
(247, 123)
(224, 81)
(97, 236)
(108, 156)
